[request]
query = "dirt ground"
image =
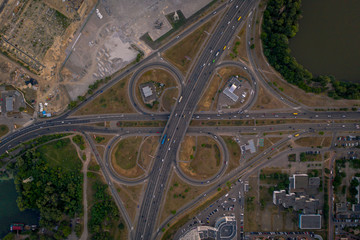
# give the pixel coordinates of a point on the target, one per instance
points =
(209, 99)
(39, 32)
(113, 100)
(204, 160)
(184, 53)
(158, 76)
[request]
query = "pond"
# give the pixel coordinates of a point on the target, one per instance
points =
(328, 38)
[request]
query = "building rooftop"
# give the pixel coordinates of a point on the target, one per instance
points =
(147, 91)
(310, 221)
(227, 91)
(225, 229)
(297, 202)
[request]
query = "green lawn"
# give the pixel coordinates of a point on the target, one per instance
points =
(61, 153)
(3, 130)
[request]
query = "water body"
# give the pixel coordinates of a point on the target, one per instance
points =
(9, 211)
(328, 40)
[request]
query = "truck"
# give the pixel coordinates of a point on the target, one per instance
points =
(180, 99)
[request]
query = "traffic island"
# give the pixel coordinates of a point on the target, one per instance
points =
(200, 157)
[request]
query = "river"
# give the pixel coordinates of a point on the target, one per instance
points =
(328, 40)
(9, 211)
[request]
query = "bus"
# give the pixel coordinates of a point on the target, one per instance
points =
(162, 142)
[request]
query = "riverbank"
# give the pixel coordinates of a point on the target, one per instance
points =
(9, 211)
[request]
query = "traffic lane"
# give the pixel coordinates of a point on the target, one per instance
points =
(148, 230)
(200, 116)
(6, 145)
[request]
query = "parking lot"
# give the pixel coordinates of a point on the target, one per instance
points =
(231, 204)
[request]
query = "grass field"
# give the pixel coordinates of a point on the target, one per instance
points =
(158, 76)
(314, 141)
(61, 153)
(234, 152)
(182, 219)
(124, 157)
(210, 97)
(184, 52)
(148, 151)
(204, 159)
(266, 100)
(169, 98)
(261, 214)
(130, 196)
(178, 194)
(3, 130)
(237, 49)
(113, 100)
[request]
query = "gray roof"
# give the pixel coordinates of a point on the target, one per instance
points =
(230, 94)
(147, 91)
(311, 221)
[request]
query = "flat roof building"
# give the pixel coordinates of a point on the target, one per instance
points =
(148, 92)
(310, 221)
(298, 183)
(250, 146)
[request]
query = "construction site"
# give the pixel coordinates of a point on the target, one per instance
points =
(110, 40)
(34, 36)
(67, 45)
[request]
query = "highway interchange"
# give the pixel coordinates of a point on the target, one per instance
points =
(178, 121)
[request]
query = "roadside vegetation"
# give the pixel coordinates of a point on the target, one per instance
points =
(104, 215)
(280, 24)
(113, 100)
(184, 52)
(3, 130)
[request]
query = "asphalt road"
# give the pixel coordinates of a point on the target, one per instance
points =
(181, 115)
(178, 121)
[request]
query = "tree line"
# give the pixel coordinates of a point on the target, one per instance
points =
(280, 24)
(55, 192)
